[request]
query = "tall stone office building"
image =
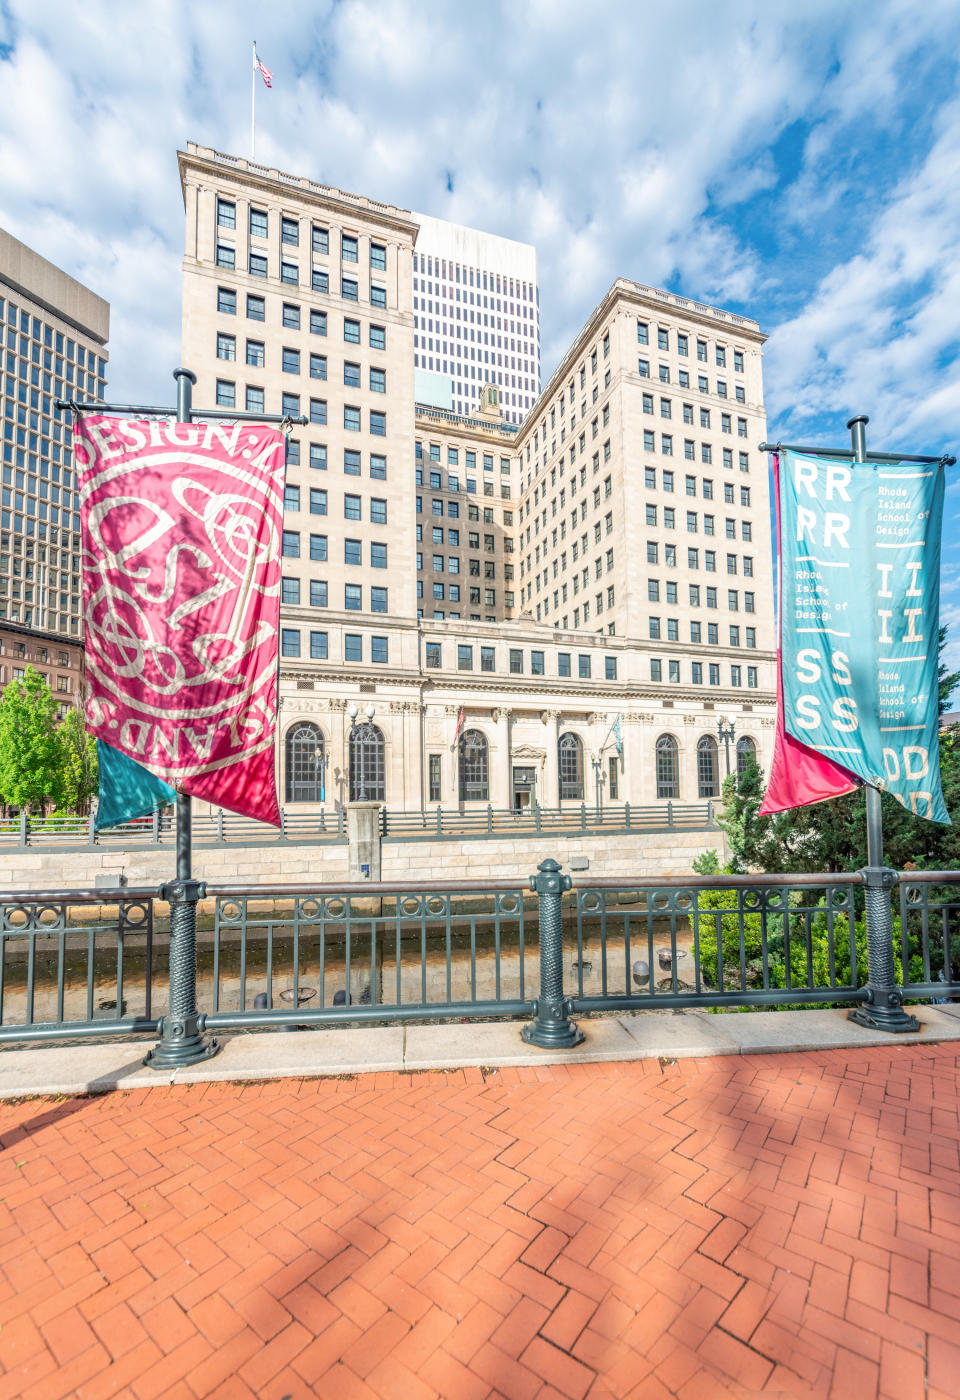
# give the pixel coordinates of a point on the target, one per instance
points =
(476, 311)
(583, 595)
(54, 336)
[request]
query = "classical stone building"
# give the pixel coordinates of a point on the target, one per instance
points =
(54, 333)
(605, 568)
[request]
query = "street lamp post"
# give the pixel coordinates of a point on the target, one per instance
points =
(354, 713)
(597, 763)
(726, 731)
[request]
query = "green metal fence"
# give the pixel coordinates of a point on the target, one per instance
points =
(95, 963)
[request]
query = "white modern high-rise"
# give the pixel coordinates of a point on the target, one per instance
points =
(476, 309)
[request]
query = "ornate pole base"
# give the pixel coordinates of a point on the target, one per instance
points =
(181, 1044)
(552, 1028)
(886, 1013)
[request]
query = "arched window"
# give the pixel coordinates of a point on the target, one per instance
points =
(746, 750)
(367, 766)
(570, 762)
(305, 764)
(474, 767)
(668, 768)
(707, 767)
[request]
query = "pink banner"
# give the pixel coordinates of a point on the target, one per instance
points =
(181, 526)
(799, 775)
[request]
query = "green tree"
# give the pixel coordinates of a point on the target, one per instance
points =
(30, 750)
(78, 763)
(948, 680)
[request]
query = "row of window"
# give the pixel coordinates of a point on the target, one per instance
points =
(352, 458)
(258, 266)
(453, 457)
(306, 764)
(684, 382)
(256, 307)
(316, 365)
(319, 596)
(254, 402)
(690, 450)
(353, 646)
(683, 346)
(259, 227)
(690, 486)
(352, 505)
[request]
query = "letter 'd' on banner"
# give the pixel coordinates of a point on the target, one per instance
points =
(181, 526)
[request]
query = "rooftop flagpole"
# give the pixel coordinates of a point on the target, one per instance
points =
(253, 100)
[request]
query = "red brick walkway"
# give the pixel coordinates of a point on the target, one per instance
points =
(768, 1225)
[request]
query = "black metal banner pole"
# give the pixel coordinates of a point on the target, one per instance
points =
(883, 1009)
(181, 1042)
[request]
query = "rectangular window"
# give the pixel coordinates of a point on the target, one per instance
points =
(435, 761)
(318, 367)
(351, 374)
(378, 381)
(348, 288)
(348, 248)
(378, 650)
(351, 419)
(318, 505)
(583, 664)
(378, 338)
(352, 507)
(378, 295)
(290, 405)
(291, 544)
(290, 590)
(226, 394)
(318, 543)
(352, 646)
(487, 659)
(226, 257)
(352, 597)
(516, 661)
(255, 353)
(226, 214)
(226, 346)
(351, 462)
(318, 411)
(290, 361)
(289, 641)
(258, 223)
(319, 280)
(258, 265)
(226, 301)
(656, 669)
(378, 424)
(378, 600)
(256, 308)
(318, 646)
(319, 240)
(318, 456)
(433, 656)
(610, 670)
(254, 400)
(378, 466)
(291, 497)
(291, 316)
(464, 658)
(378, 510)
(351, 331)
(318, 322)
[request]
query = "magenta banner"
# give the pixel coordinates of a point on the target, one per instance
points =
(181, 526)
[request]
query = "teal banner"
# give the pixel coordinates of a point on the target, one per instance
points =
(127, 790)
(860, 573)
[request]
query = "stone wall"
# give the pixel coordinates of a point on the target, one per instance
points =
(627, 855)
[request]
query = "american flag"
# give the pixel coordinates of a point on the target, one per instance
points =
(258, 67)
(456, 735)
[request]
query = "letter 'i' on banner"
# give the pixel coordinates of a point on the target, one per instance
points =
(859, 627)
(181, 526)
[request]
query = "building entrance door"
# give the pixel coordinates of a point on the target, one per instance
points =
(524, 788)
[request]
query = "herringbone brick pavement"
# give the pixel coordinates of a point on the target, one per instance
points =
(767, 1225)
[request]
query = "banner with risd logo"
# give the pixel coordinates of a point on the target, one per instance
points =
(859, 628)
(181, 527)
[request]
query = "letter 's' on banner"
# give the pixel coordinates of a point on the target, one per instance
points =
(181, 526)
(859, 623)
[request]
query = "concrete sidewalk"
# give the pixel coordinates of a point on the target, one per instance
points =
(92, 1069)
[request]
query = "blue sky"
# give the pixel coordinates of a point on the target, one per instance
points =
(800, 164)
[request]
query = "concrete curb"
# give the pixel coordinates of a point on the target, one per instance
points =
(98, 1069)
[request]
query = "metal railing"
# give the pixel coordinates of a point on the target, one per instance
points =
(83, 963)
(482, 821)
(326, 826)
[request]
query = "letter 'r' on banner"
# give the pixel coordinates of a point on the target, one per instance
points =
(181, 526)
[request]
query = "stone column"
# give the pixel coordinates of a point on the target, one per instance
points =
(363, 835)
(501, 778)
(550, 796)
